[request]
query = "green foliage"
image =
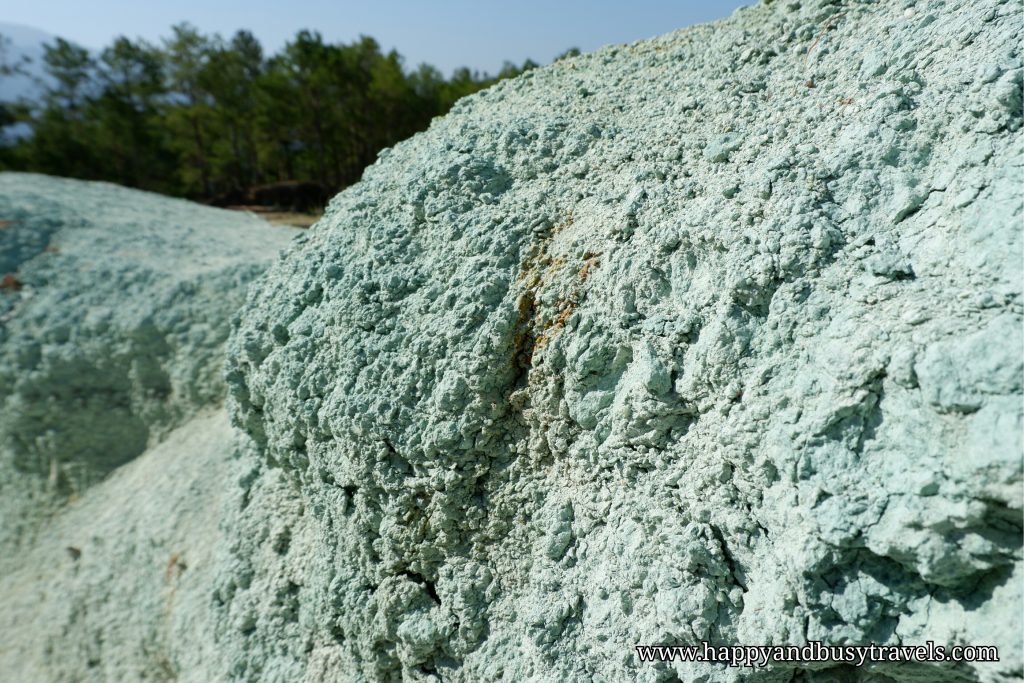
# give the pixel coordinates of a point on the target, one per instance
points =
(132, 148)
(63, 125)
(10, 114)
(210, 118)
(8, 67)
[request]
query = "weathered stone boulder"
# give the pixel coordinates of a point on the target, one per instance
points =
(714, 337)
(112, 328)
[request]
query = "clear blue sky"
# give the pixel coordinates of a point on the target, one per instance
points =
(446, 33)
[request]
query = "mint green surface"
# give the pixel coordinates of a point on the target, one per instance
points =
(716, 336)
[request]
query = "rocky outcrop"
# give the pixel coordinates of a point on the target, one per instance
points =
(112, 329)
(711, 337)
(714, 337)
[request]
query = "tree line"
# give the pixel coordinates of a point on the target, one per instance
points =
(209, 118)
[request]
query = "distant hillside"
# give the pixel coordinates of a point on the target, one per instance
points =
(25, 42)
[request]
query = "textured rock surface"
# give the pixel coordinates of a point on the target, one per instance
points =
(716, 336)
(713, 337)
(116, 454)
(116, 587)
(113, 316)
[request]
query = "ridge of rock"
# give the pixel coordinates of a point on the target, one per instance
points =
(713, 337)
(115, 306)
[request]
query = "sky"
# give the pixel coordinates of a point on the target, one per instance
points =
(446, 33)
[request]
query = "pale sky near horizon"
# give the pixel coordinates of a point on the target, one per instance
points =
(445, 33)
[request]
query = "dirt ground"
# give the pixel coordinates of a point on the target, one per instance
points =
(297, 220)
